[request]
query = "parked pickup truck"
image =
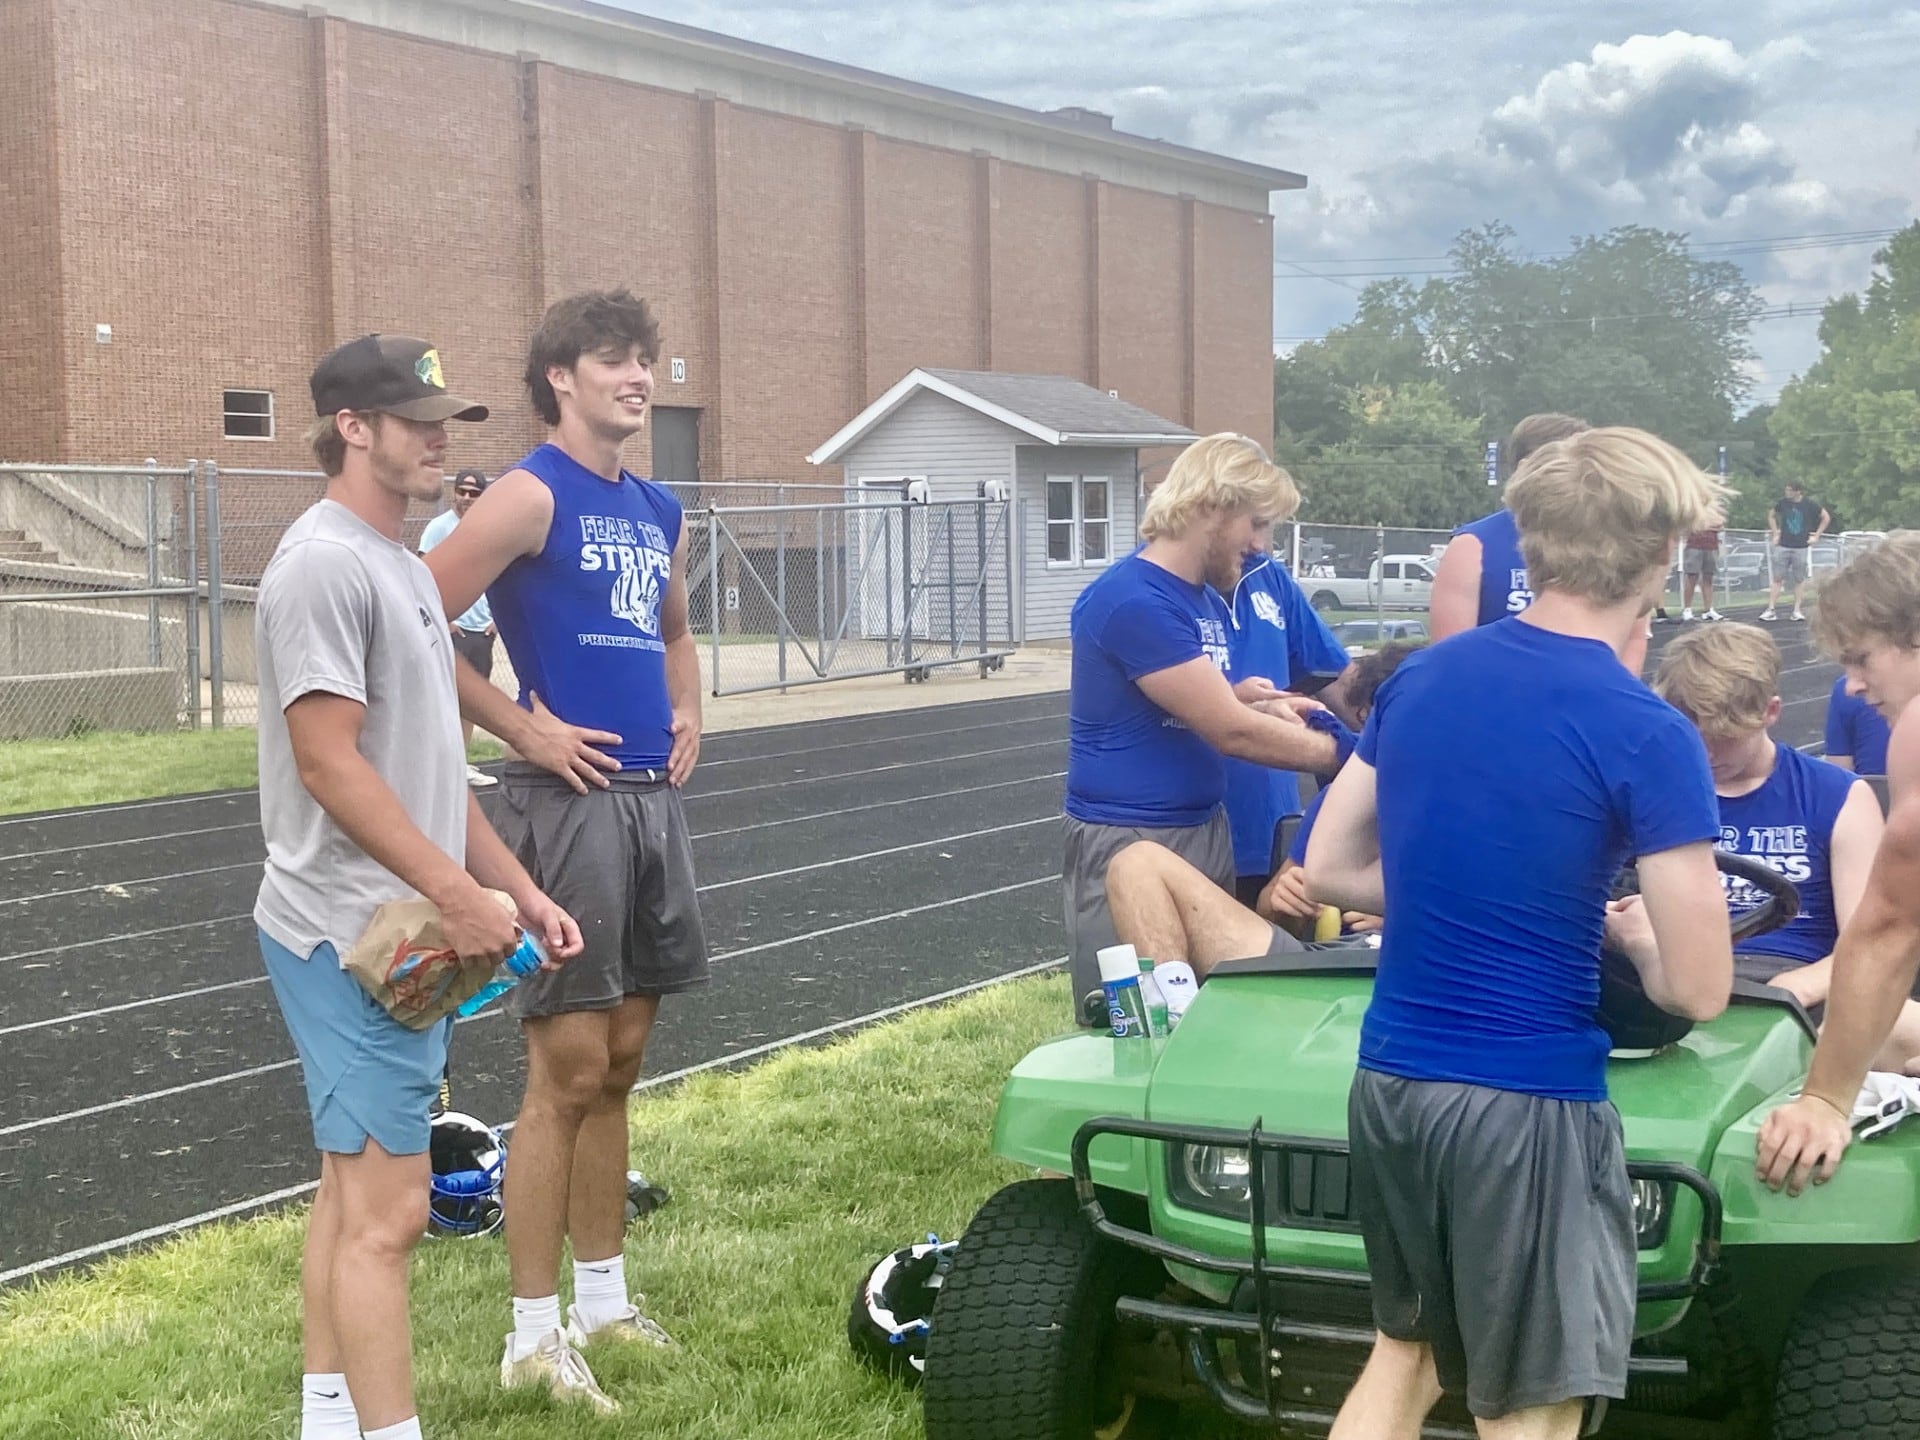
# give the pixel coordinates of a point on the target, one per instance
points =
(1393, 582)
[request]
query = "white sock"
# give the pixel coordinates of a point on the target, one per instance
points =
(326, 1409)
(408, 1429)
(600, 1290)
(533, 1321)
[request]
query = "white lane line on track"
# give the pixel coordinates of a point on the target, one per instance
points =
(240, 1207)
(718, 738)
(255, 862)
(873, 770)
(42, 1122)
(76, 1016)
(697, 838)
(705, 765)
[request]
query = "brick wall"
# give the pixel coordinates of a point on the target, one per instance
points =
(30, 338)
(241, 185)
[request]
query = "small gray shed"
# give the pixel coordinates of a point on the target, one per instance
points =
(1067, 454)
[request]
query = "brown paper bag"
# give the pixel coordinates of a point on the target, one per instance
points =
(403, 961)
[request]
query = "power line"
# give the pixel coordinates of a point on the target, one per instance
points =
(1759, 245)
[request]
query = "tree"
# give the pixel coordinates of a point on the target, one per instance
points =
(1410, 461)
(1626, 329)
(1849, 429)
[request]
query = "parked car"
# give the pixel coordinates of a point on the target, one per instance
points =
(1363, 637)
(1393, 582)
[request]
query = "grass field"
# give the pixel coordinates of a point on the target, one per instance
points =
(108, 767)
(788, 1180)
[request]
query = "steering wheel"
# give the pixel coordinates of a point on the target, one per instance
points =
(1632, 1021)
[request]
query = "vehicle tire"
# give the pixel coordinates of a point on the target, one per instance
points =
(1325, 601)
(1023, 1321)
(1847, 1365)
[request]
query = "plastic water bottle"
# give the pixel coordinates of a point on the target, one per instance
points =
(1178, 985)
(1120, 978)
(526, 959)
(1159, 1019)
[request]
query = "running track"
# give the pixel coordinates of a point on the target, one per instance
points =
(849, 869)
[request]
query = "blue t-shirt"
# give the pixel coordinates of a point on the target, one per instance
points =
(1279, 636)
(1504, 589)
(581, 620)
(1128, 761)
(1788, 824)
(1499, 844)
(1857, 730)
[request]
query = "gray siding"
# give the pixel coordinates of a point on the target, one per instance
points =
(958, 450)
(1051, 590)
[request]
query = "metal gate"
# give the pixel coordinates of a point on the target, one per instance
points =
(876, 585)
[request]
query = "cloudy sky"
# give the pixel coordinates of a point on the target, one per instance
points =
(1414, 119)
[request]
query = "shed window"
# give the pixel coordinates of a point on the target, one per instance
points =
(248, 414)
(1079, 520)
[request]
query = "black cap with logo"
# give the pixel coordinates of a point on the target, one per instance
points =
(393, 374)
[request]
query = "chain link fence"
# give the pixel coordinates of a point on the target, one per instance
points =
(100, 615)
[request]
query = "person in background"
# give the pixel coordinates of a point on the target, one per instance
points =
(1279, 638)
(1699, 558)
(1481, 577)
(1151, 711)
(1793, 525)
(1857, 734)
(473, 631)
(1813, 823)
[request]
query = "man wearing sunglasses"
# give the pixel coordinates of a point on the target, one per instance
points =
(473, 632)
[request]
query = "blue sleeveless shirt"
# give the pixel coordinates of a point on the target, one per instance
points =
(1504, 589)
(1788, 824)
(581, 619)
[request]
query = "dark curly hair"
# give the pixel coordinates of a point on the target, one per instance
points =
(1371, 671)
(595, 322)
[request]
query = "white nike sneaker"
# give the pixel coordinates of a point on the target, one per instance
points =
(559, 1368)
(1713, 615)
(479, 779)
(630, 1325)
(1767, 614)
(1797, 615)
(1687, 614)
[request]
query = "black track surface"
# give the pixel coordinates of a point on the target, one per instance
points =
(848, 866)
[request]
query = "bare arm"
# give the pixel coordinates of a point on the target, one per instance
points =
(1343, 853)
(683, 669)
(1454, 604)
(1873, 970)
(511, 520)
(324, 730)
(1825, 520)
(1850, 849)
(1197, 694)
(1683, 952)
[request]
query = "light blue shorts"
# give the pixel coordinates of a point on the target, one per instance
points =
(366, 1073)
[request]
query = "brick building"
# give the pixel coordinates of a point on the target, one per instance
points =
(198, 197)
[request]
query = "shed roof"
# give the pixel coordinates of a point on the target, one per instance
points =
(1050, 409)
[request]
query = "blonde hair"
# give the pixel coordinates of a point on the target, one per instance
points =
(328, 445)
(1222, 472)
(1600, 511)
(1875, 595)
(1721, 677)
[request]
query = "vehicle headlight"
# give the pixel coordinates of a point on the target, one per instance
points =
(1652, 1212)
(1214, 1178)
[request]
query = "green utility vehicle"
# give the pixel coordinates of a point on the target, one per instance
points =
(1204, 1251)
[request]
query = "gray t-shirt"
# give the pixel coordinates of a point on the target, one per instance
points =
(347, 611)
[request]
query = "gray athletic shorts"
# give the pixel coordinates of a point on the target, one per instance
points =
(1208, 848)
(1789, 564)
(1699, 562)
(1499, 1231)
(620, 862)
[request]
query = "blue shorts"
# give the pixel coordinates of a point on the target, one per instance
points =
(366, 1074)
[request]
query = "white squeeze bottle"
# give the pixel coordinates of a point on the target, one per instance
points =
(1159, 1018)
(1177, 985)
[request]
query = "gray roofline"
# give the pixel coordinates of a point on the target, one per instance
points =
(776, 61)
